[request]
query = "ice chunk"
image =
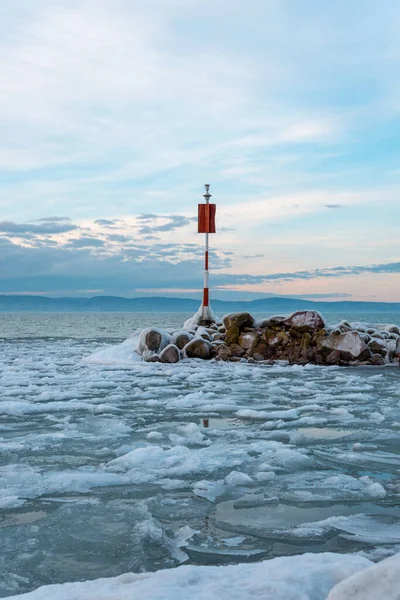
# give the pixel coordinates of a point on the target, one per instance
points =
(381, 581)
(263, 414)
(238, 478)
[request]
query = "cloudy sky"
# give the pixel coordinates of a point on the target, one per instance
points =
(114, 113)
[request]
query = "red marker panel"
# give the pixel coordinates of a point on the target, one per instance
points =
(207, 218)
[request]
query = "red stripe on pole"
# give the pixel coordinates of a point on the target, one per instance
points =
(205, 297)
(206, 263)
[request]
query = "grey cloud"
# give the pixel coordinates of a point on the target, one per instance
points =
(106, 221)
(174, 222)
(115, 237)
(84, 242)
(45, 227)
(333, 205)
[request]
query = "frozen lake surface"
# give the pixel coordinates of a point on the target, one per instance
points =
(113, 468)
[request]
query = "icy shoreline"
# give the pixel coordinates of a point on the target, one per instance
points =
(324, 576)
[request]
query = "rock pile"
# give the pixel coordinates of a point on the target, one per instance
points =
(300, 338)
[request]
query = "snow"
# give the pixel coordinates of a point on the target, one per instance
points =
(303, 577)
(379, 582)
(194, 321)
(122, 354)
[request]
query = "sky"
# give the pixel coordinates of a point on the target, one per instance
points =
(115, 113)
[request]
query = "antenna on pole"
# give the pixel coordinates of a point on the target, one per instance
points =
(206, 225)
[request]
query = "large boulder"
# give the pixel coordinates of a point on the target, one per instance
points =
(349, 344)
(181, 338)
(378, 346)
(152, 340)
(240, 320)
(170, 354)
(305, 321)
(249, 340)
(198, 348)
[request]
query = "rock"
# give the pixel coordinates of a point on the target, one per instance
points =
(218, 336)
(276, 321)
(293, 353)
(344, 326)
(240, 320)
(237, 350)
(181, 338)
(249, 340)
(258, 357)
(170, 354)
(333, 357)
(365, 337)
(151, 357)
(305, 341)
(224, 352)
(232, 335)
(222, 329)
(305, 321)
(281, 338)
(198, 348)
(204, 333)
(294, 333)
(262, 349)
(377, 360)
(153, 340)
(378, 346)
(378, 335)
(318, 336)
(350, 345)
(392, 329)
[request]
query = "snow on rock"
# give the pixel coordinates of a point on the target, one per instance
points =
(152, 340)
(349, 344)
(170, 354)
(194, 322)
(198, 348)
(305, 321)
(302, 577)
(181, 338)
(379, 582)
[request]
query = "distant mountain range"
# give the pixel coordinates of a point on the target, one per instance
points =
(11, 303)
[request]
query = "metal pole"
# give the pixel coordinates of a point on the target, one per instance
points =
(206, 292)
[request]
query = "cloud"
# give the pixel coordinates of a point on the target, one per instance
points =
(173, 222)
(333, 205)
(106, 222)
(46, 227)
(53, 219)
(85, 242)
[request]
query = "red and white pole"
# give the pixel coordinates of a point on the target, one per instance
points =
(206, 226)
